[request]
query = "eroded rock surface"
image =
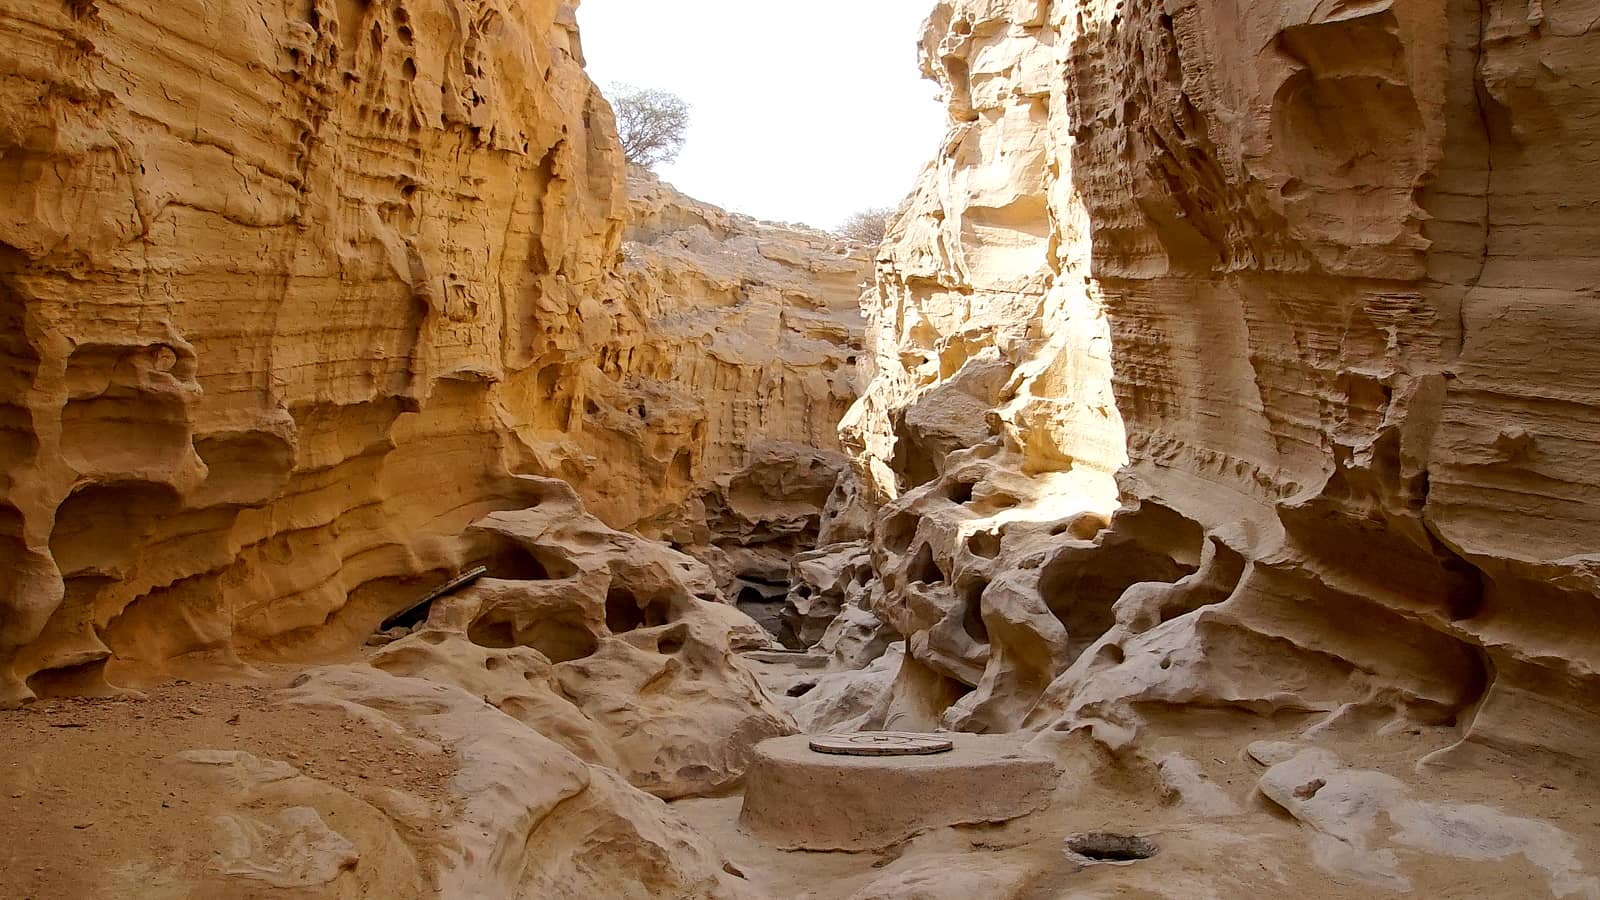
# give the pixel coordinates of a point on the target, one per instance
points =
(527, 818)
(603, 642)
(1275, 268)
(283, 312)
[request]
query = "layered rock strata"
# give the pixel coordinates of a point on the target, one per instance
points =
(1315, 274)
(756, 329)
(289, 295)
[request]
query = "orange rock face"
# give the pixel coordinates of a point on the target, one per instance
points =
(291, 295)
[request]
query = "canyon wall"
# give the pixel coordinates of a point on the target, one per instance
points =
(292, 292)
(754, 336)
(1237, 355)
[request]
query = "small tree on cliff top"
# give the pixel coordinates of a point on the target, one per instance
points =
(867, 226)
(652, 124)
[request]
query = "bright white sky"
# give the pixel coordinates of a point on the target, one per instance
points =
(802, 111)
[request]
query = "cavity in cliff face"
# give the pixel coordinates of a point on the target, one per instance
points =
(293, 293)
(1318, 271)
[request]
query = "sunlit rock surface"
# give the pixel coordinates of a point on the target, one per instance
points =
(285, 310)
(1315, 274)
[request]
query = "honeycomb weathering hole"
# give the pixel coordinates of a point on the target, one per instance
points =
(1103, 846)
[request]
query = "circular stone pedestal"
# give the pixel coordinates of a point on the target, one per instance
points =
(799, 799)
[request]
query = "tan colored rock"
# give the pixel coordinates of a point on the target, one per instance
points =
(799, 798)
(758, 327)
(1304, 271)
(1344, 805)
(267, 321)
(757, 520)
(822, 583)
(855, 638)
(527, 818)
(846, 700)
(283, 312)
(602, 645)
(720, 335)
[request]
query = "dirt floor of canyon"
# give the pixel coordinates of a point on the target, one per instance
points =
(124, 821)
(92, 803)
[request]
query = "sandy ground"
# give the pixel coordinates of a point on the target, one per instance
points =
(92, 805)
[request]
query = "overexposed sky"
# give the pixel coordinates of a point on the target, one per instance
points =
(802, 110)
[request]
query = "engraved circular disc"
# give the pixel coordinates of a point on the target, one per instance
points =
(880, 743)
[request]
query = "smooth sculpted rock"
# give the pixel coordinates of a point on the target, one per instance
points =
(800, 799)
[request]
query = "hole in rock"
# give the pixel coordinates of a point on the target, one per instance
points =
(672, 640)
(801, 689)
(626, 612)
(101, 523)
(1081, 527)
(1113, 654)
(999, 502)
(985, 544)
(899, 531)
(972, 622)
(1465, 598)
(1081, 585)
(494, 635)
(960, 492)
(762, 600)
(1107, 847)
(512, 563)
(562, 641)
(924, 567)
(85, 679)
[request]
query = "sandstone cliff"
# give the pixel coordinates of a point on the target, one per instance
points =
(292, 293)
(754, 335)
(1315, 273)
